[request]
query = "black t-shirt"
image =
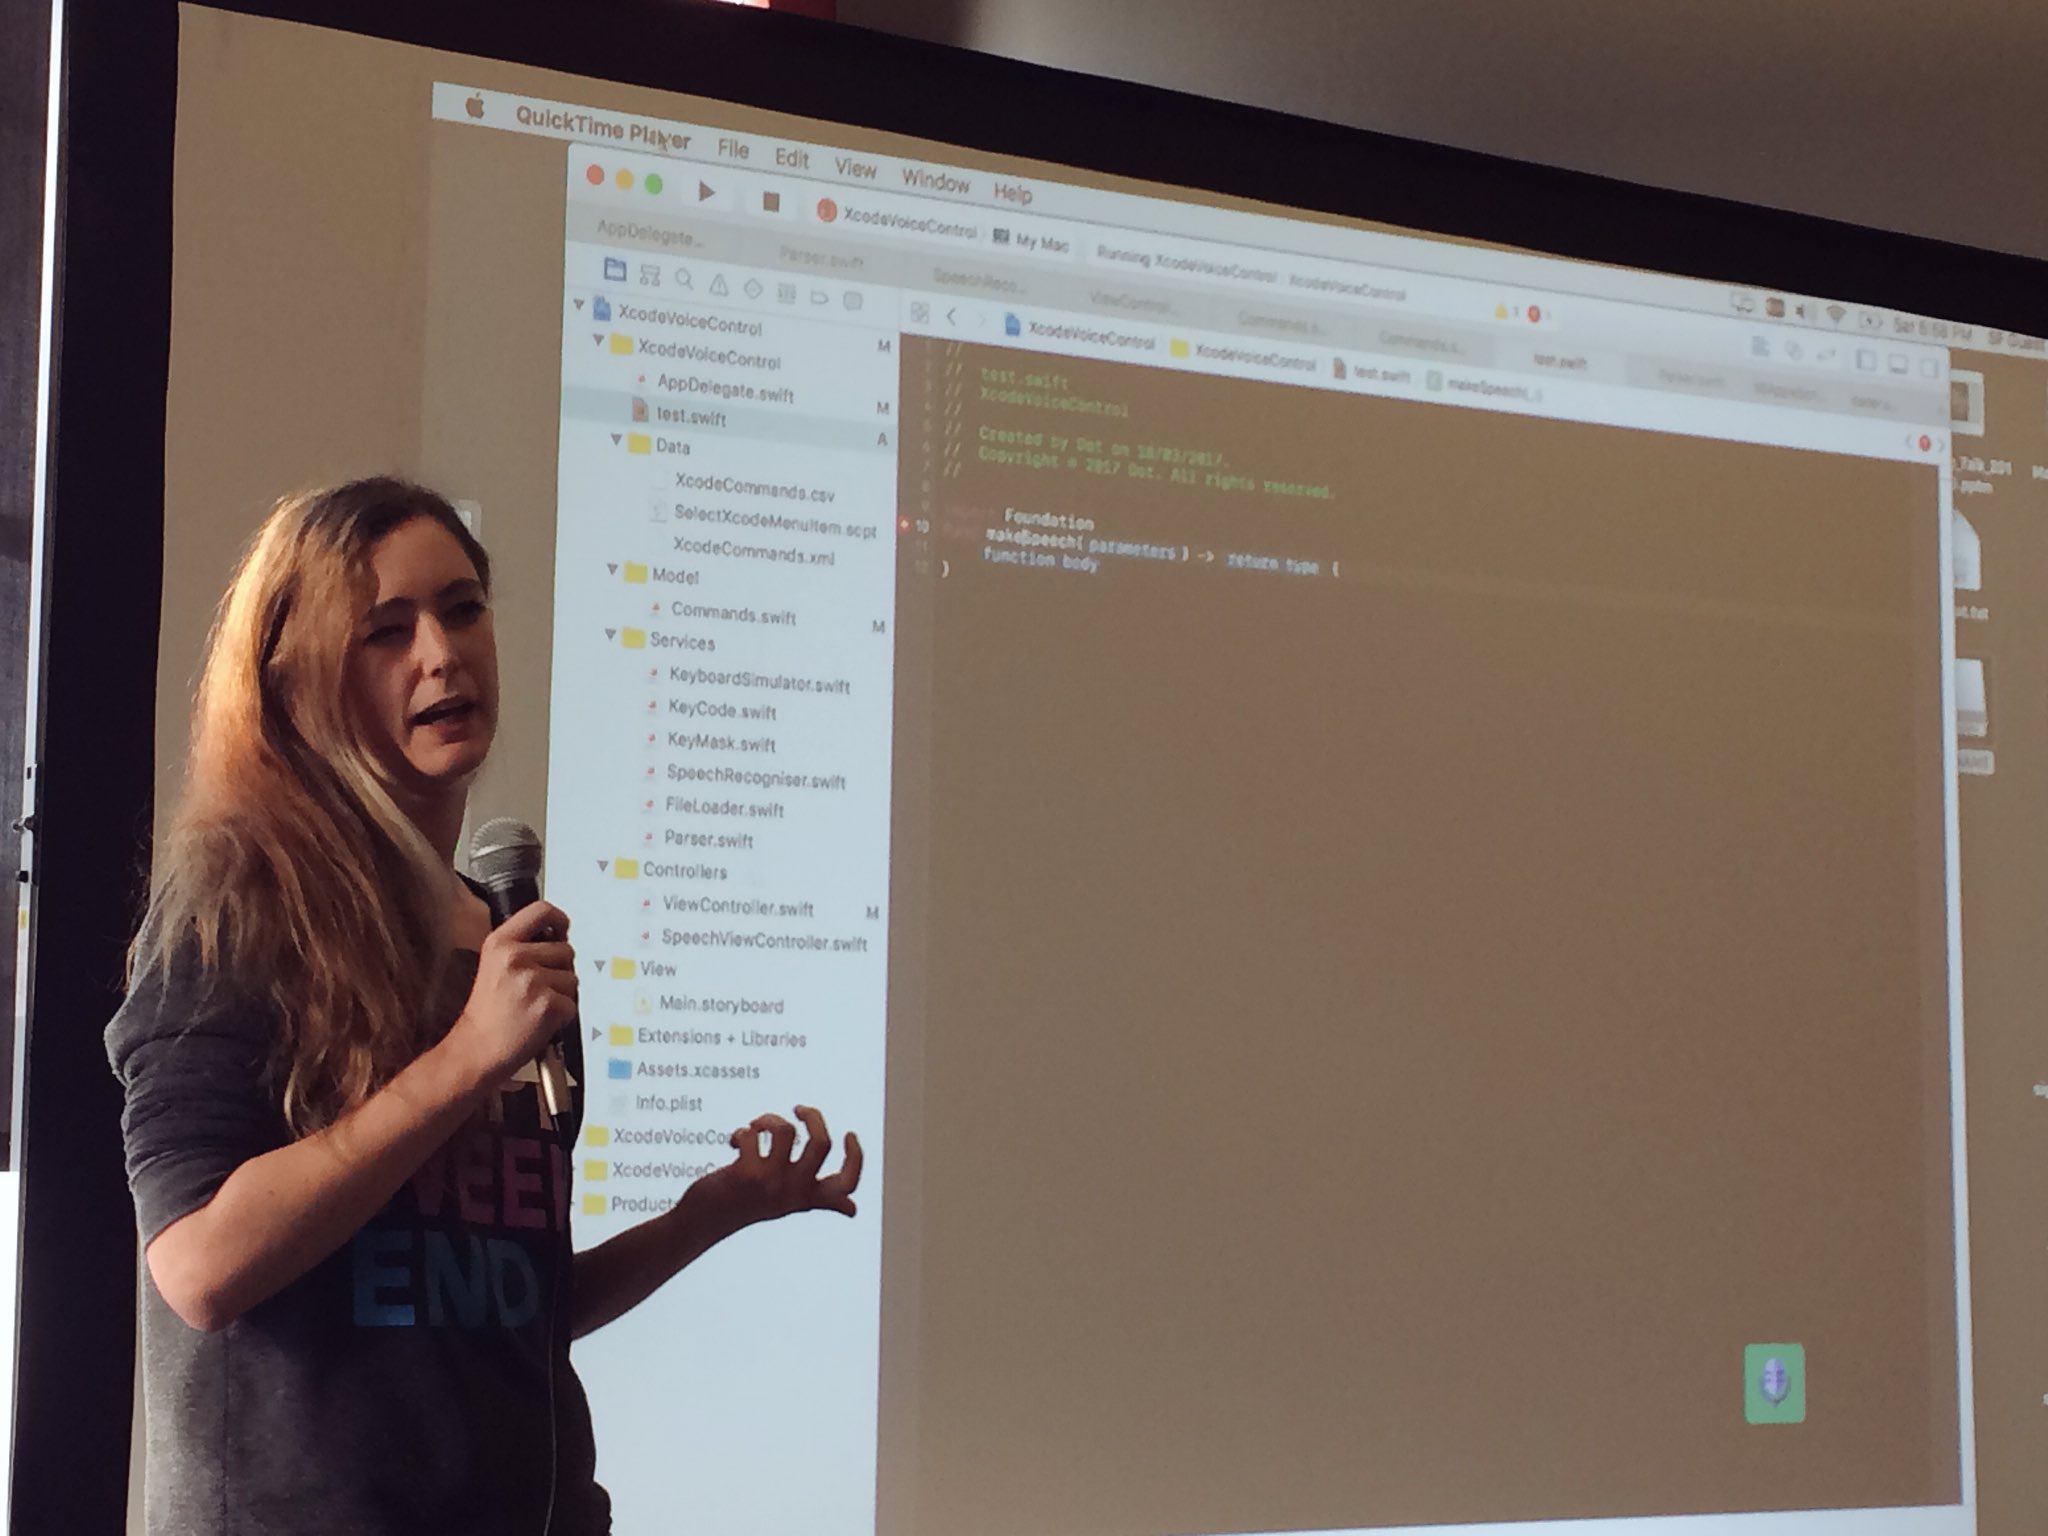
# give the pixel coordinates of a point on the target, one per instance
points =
(415, 1381)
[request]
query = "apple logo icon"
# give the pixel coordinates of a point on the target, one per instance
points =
(475, 105)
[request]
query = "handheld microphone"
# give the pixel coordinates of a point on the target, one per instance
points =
(505, 859)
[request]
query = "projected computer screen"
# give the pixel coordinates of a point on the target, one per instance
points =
(1364, 826)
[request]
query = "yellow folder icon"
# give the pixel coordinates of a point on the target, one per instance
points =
(622, 346)
(622, 968)
(622, 1034)
(595, 1171)
(593, 1205)
(639, 442)
(635, 571)
(1180, 348)
(633, 639)
(626, 869)
(597, 1135)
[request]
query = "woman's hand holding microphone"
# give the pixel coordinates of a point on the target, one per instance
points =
(525, 994)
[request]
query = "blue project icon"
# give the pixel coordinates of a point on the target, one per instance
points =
(615, 269)
(1012, 326)
(619, 1067)
(600, 308)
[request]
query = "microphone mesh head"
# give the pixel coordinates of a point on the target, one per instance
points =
(502, 850)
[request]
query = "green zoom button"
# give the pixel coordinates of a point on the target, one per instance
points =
(1774, 1383)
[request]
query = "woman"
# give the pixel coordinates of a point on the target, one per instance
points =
(359, 1289)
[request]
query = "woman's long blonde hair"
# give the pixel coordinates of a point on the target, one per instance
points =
(288, 862)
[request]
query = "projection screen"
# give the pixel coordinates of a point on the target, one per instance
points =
(1370, 829)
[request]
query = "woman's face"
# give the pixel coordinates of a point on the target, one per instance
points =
(423, 663)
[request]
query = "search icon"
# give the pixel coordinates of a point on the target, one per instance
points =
(682, 277)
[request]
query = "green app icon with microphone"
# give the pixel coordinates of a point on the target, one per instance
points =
(1774, 1383)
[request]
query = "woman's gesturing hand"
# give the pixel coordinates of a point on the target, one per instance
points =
(780, 1181)
(525, 992)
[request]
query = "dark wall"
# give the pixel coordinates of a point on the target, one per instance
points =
(24, 94)
(74, 1338)
(1892, 113)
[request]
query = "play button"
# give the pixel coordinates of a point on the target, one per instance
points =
(704, 191)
